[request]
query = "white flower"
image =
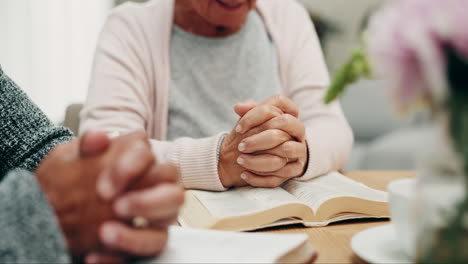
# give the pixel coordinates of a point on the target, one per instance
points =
(408, 40)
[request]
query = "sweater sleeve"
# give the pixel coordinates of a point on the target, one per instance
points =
(328, 134)
(119, 94)
(196, 160)
(119, 102)
(26, 134)
(29, 230)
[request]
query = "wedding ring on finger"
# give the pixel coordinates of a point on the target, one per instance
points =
(140, 222)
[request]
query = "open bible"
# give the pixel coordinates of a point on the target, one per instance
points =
(318, 202)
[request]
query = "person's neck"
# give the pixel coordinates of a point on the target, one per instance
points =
(188, 19)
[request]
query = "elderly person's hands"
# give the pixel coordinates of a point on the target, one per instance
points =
(70, 174)
(272, 142)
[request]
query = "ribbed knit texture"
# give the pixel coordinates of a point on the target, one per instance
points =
(197, 160)
(29, 231)
(26, 134)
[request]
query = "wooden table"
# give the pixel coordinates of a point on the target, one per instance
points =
(333, 242)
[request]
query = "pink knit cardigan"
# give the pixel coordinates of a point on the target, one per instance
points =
(131, 79)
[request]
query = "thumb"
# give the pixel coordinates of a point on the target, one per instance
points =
(242, 108)
(93, 143)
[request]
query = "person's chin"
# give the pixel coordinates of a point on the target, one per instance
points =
(230, 21)
(230, 17)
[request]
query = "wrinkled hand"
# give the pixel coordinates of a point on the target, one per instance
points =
(229, 171)
(69, 176)
(273, 148)
(155, 196)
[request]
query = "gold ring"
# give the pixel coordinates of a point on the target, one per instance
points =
(140, 222)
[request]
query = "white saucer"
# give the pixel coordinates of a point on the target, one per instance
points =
(379, 245)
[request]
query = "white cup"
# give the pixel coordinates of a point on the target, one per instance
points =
(401, 197)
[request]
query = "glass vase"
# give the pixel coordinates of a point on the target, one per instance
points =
(441, 205)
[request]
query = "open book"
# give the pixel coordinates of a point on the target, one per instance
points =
(318, 202)
(187, 245)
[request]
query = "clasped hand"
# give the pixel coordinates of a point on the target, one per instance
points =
(266, 147)
(97, 185)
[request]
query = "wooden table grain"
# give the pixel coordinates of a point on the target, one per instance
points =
(333, 242)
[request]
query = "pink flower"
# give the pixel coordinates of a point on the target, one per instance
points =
(407, 43)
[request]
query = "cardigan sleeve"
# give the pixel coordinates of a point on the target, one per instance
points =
(328, 134)
(118, 97)
(119, 102)
(26, 134)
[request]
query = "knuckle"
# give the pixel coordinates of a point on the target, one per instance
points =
(253, 131)
(265, 109)
(289, 118)
(289, 150)
(277, 134)
(276, 161)
(280, 99)
(276, 111)
(284, 119)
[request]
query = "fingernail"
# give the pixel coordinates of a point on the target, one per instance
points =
(104, 186)
(109, 234)
(122, 207)
(240, 161)
(244, 176)
(242, 146)
(238, 128)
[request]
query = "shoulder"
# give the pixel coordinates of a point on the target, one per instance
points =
(141, 10)
(140, 15)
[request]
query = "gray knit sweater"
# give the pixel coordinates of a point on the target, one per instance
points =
(29, 230)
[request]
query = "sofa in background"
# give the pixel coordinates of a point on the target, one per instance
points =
(383, 141)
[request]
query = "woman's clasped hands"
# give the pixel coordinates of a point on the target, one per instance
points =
(266, 147)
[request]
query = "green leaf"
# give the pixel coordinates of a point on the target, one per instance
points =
(355, 68)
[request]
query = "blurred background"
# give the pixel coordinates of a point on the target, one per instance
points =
(47, 47)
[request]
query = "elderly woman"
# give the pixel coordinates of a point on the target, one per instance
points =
(175, 68)
(51, 207)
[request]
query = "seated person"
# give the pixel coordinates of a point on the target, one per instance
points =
(63, 198)
(174, 68)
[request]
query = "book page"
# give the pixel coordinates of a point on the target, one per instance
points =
(318, 190)
(187, 245)
(244, 200)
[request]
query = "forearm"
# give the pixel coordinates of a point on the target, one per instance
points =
(329, 144)
(29, 230)
(26, 134)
